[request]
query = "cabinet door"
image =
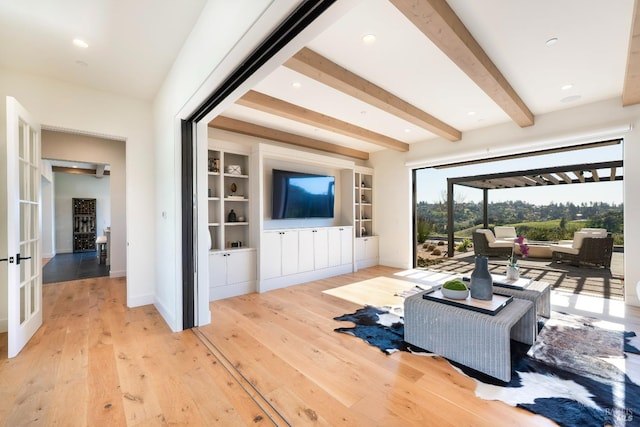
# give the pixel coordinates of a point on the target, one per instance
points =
(371, 247)
(241, 267)
(271, 265)
(321, 248)
(305, 242)
(346, 246)
(290, 252)
(217, 269)
(335, 246)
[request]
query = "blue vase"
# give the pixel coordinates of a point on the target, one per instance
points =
(481, 282)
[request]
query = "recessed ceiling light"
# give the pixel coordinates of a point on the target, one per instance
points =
(551, 41)
(566, 87)
(471, 113)
(296, 85)
(368, 38)
(80, 43)
(407, 130)
(570, 98)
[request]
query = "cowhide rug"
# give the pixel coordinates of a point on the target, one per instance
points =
(571, 374)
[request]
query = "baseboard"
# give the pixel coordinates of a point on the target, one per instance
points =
(141, 300)
(295, 279)
(166, 315)
(48, 255)
(121, 273)
(4, 325)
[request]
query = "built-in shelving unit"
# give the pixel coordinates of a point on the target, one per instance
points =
(84, 225)
(228, 200)
(363, 199)
(232, 259)
(366, 242)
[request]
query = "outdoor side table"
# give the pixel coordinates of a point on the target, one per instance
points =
(477, 340)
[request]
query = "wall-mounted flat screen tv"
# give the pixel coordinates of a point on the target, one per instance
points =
(302, 195)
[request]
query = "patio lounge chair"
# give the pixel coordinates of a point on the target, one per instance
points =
(588, 247)
(505, 232)
(486, 244)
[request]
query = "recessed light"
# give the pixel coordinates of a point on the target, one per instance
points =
(471, 113)
(551, 41)
(296, 85)
(407, 130)
(368, 38)
(80, 43)
(566, 87)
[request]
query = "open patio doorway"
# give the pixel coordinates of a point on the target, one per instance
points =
(538, 212)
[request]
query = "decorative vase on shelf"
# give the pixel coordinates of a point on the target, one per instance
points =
(513, 272)
(481, 282)
(231, 217)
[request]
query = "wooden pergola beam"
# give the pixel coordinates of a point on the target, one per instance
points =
(441, 25)
(631, 87)
(245, 128)
(317, 67)
(278, 107)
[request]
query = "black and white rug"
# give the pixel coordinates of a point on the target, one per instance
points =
(574, 374)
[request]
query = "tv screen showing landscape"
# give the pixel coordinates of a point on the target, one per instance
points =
(302, 195)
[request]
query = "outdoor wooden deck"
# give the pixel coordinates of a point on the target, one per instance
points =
(596, 281)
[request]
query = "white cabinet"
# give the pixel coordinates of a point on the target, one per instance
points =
(366, 251)
(314, 249)
(231, 273)
(280, 253)
(303, 254)
(340, 246)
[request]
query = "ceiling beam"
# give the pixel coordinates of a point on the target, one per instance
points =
(77, 171)
(631, 88)
(441, 25)
(245, 128)
(271, 105)
(317, 67)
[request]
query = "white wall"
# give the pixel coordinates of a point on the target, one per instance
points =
(47, 233)
(59, 105)
(202, 65)
(69, 186)
(594, 122)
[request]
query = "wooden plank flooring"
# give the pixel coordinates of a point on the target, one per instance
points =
(266, 359)
(284, 342)
(95, 362)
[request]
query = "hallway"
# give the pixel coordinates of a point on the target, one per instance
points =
(75, 266)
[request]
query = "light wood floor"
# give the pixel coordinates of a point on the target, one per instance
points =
(96, 363)
(266, 359)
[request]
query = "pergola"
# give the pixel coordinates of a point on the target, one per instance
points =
(557, 175)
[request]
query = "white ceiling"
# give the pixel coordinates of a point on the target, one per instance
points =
(131, 50)
(132, 43)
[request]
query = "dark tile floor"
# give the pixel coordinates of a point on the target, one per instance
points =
(66, 267)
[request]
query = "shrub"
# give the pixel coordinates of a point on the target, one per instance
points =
(425, 228)
(464, 245)
(436, 252)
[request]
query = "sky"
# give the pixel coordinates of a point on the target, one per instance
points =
(432, 183)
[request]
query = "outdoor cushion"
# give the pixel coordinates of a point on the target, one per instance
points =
(491, 239)
(595, 232)
(568, 249)
(505, 232)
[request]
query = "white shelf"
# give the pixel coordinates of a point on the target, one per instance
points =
(232, 224)
(233, 175)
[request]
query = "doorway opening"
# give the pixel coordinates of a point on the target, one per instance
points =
(544, 212)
